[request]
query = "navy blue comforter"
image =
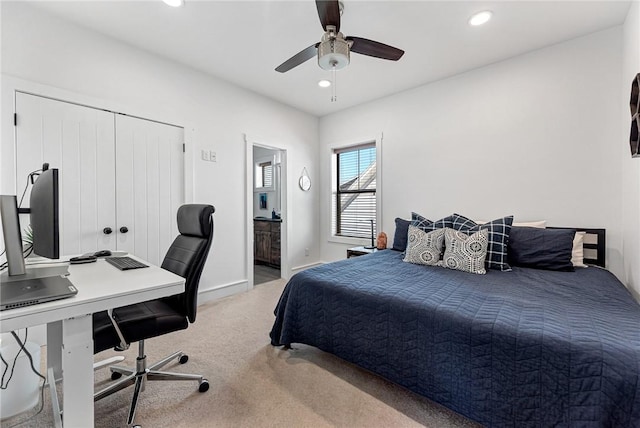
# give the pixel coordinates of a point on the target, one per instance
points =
(527, 348)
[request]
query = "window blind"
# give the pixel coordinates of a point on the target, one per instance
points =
(355, 196)
(266, 172)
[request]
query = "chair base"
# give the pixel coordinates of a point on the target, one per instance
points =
(141, 374)
(107, 362)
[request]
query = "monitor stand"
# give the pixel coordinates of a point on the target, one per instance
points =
(33, 272)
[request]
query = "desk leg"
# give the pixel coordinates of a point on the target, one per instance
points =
(54, 349)
(77, 366)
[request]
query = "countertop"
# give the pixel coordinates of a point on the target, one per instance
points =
(276, 220)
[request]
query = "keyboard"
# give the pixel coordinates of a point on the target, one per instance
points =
(125, 263)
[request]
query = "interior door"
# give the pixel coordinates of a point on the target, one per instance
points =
(149, 185)
(79, 141)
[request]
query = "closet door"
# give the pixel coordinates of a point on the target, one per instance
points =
(149, 185)
(80, 142)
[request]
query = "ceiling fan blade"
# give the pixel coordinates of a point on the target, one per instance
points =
(329, 13)
(299, 58)
(376, 49)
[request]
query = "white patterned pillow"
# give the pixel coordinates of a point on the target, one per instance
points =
(424, 248)
(465, 252)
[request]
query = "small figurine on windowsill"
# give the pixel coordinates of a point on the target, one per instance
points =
(382, 241)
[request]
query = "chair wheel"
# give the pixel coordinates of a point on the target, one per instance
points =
(116, 375)
(204, 386)
(183, 359)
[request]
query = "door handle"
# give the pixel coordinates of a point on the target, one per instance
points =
(107, 230)
(124, 229)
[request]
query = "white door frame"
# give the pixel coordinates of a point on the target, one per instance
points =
(250, 142)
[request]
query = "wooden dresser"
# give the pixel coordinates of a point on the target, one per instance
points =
(266, 242)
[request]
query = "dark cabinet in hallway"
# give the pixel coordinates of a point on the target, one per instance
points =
(266, 247)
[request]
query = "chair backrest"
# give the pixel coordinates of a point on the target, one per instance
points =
(188, 252)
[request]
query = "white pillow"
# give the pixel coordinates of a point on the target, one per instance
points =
(424, 248)
(465, 252)
(541, 224)
(577, 254)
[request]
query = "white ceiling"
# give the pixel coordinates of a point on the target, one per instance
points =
(243, 41)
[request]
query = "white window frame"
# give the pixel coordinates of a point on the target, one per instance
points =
(377, 140)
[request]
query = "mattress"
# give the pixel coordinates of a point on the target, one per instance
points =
(526, 348)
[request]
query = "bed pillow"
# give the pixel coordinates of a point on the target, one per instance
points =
(465, 252)
(428, 225)
(549, 249)
(577, 254)
(424, 248)
(498, 229)
(400, 236)
(539, 224)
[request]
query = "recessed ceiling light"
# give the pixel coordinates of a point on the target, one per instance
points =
(324, 83)
(174, 3)
(480, 18)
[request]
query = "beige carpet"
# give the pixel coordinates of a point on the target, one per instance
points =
(256, 385)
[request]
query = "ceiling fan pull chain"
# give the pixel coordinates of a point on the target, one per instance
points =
(333, 86)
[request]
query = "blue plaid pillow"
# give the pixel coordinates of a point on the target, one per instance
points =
(427, 225)
(499, 231)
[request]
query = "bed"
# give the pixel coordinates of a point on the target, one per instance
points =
(525, 348)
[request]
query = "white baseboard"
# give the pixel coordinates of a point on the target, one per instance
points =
(221, 291)
(303, 267)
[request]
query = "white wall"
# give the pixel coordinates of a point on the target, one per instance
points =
(65, 59)
(630, 167)
(536, 136)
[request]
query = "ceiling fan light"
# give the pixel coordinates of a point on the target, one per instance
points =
(324, 83)
(333, 54)
(174, 3)
(480, 18)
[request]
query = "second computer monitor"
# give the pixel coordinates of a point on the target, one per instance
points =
(44, 208)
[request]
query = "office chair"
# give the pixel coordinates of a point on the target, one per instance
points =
(120, 327)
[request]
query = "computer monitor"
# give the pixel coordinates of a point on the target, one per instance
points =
(44, 207)
(12, 235)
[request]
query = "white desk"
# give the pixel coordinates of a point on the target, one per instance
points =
(69, 324)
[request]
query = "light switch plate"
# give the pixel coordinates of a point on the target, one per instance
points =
(205, 155)
(212, 156)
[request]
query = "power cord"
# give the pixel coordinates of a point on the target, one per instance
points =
(4, 385)
(26, 186)
(33, 369)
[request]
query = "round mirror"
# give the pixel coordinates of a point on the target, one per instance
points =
(305, 183)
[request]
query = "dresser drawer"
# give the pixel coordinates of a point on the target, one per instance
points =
(262, 226)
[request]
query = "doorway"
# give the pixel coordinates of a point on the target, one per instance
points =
(267, 213)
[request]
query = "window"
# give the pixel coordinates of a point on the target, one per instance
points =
(264, 174)
(355, 191)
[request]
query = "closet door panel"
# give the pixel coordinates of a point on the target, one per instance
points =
(150, 185)
(79, 141)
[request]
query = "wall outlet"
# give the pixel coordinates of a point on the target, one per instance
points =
(306, 252)
(212, 156)
(205, 155)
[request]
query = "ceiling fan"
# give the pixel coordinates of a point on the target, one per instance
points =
(334, 48)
